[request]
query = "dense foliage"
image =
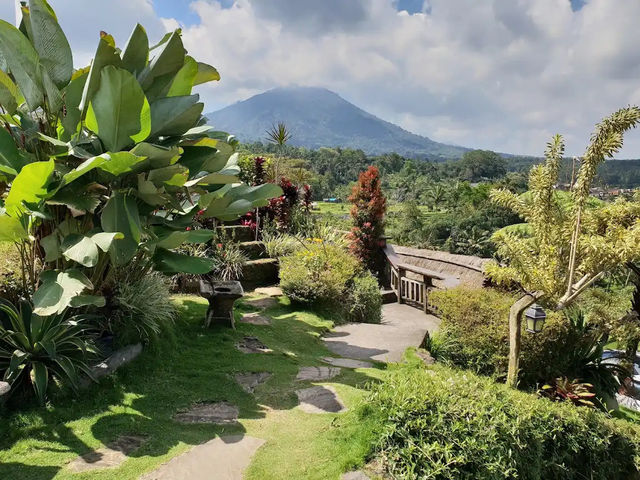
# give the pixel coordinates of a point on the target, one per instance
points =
(441, 424)
(322, 273)
(106, 166)
(474, 335)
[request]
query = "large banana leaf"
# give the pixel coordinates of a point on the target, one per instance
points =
(70, 121)
(22, 59)
(50, 42)
(206, 73)
(120, 214)
(136, 53)
(173, 116)
(10, 96)
(182, 83)
(29, 187)
(119, 112)
(167, 261)
(10, 160)
(106, 54)
(157, 76)
(11, 230)
(57, 289)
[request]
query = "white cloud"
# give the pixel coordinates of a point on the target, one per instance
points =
(499, 74)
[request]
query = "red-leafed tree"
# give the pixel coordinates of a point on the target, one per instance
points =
(369, 207)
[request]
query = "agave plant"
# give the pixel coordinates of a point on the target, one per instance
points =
(34, 348)
(107, 165)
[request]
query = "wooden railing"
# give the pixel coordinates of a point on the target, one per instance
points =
(412, 291)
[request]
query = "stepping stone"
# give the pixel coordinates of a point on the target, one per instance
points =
(4, 388)
(270, 291)
(111, 456)
(347, 362)
(358, 475)
(316, 373)
(320, 399)
(252, 345)
(255, 319)
(262, 302)
(223, 458)
(220, 413)
(426, 357)
(250, 380)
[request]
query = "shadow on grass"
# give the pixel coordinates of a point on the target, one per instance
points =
(143, 397)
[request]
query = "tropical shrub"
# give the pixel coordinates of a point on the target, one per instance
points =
(564, 390)
(142, 309)
(106, 166)
(318, 273)
(280, 244)
(440, 423)
(365, 299)
(35, 349)
(474, 334)
(367, 213)
(228, 261)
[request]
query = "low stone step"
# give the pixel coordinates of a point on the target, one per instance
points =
(259, 273)
(254, 250)
(389, 296)
(237, 233)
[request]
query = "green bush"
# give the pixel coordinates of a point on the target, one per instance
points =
(474, 334)
(142, 309)
(445, 424)
(318, 274)
(365, 301)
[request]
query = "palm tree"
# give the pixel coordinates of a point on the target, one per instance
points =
(278, 135)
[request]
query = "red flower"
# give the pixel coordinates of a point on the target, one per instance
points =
(219, 245)
(200, 212)
(188, 229)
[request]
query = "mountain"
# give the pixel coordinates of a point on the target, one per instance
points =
(317, 117)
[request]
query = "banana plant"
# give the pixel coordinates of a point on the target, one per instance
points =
(106, 165)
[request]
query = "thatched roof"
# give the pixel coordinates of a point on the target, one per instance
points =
(457, 269)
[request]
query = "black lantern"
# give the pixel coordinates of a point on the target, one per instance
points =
(535, 318)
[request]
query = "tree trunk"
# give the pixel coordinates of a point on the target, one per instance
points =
(515, 327)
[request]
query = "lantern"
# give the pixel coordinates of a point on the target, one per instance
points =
(535, 318)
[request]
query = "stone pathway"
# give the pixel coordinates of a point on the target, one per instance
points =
(220, 413)
(111, 456)
(358, 475)
(316, 374)
(223, 458)
(402, 327)
(262, 303)
(255, 319)
(269, 291)
(252, 345)
(347, 362)
(250, 380)
(320, 399)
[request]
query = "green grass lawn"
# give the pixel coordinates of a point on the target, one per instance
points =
(35, 444)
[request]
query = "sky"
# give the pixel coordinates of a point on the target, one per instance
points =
(503, 75)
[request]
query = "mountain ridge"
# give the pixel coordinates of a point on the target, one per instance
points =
(318, 117)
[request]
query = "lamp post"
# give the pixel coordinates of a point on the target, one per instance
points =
(536, 317)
